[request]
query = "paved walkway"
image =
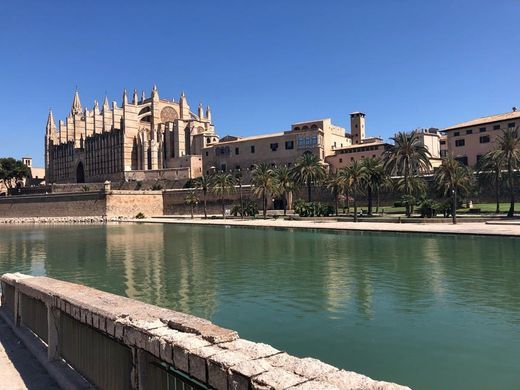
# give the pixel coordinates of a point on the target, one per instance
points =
(475, 228)
(19, 369)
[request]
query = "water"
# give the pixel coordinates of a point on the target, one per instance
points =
(428, 311)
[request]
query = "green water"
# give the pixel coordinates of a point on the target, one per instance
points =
(428, 311)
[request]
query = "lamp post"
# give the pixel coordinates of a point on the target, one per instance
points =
(238, 176)
(454, 206)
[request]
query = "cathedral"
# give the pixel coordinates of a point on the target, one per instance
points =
(144, 139)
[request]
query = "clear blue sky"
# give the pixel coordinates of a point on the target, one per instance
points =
(261, 64)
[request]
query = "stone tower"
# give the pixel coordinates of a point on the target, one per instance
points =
(357, 127)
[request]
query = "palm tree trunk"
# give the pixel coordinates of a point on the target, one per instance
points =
(264, 202)
(511, 212)
(241, 201)
(369, 195)
(355, 205)
(497, 193)
(223, 207)
(191, 209)
(377, 201)
(309, 190)
(347, 194)
(407, 191)
(336, 206)
(285, 203)
(205, 205)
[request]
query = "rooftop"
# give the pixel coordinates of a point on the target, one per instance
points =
(486, 119)
(315, 120)
(251, 138)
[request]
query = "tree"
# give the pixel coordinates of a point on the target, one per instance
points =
(262, 179)
(222, 184)
(335, 183)
(12, 169)
(355, 176)
(509, 152)
(407, 157)
(489, 170)
(375, 179)
(308, 170)
(192, 200)
(203, 183)
(284, 184)
(452, 179)
(412, 190)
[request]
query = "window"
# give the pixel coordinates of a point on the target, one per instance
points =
(496, 127)
(482, 130)
(470, 131)
(484, 139)
(237, 151)
(511, 125)
(252, 148)
(207, 154)
(289, 144)
(274, 147)
(462, 160)
(443, 153)
(459, 142)
(443, 142)
(456, 134)
(340, 160)
(237, 168)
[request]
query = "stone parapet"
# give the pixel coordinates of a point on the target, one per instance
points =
(195, 348)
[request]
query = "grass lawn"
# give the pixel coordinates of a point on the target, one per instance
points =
(484, 207)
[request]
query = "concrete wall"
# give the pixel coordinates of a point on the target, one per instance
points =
(116, 342)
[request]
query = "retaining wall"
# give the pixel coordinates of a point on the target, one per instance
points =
(119, 343)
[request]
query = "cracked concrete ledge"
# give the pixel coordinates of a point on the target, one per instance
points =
(213, 355)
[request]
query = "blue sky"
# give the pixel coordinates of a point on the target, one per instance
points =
(261, 65)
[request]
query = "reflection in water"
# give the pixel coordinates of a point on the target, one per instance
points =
(394, 306)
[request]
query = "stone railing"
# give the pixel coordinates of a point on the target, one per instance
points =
(119, 343)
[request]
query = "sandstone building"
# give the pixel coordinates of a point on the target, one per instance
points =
(469, 141)
(320, 137)
(145, 138)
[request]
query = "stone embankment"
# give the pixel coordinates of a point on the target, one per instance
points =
(57, 220)
(148, 345)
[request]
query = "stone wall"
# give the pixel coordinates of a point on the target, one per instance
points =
(53, 205)
(146, 337)
(131, 203)
(175, 201)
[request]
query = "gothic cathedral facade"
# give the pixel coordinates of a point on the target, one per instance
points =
(145, 139)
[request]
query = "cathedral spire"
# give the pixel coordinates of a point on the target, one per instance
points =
(208, 113)
(76, 104)
(185, 108)
(134, 98)
(51, 125)
(105, 103)
(96, 105)
(155, 92)
(143, 96)
(125, 98)
(201, 111)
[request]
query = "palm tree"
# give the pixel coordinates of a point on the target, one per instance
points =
(376, 177)
(222, 183)
(490, 169)
(284, 185)
(453, 178)
(192, 200)
(407, 157)
(355, 175)
(308, 170)
(262, 179)
(335, 182)
(413, 189)
(203, 183)
(509, 152)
